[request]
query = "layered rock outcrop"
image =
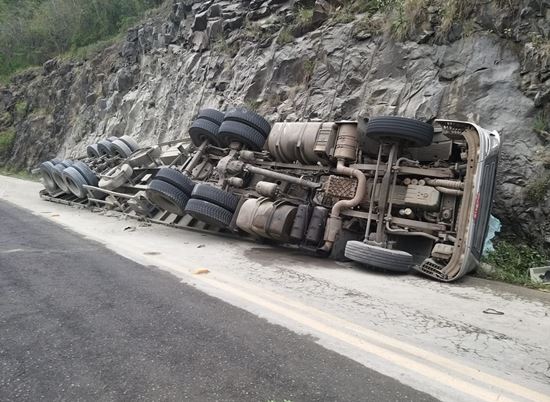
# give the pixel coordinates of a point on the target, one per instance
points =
(492, 68)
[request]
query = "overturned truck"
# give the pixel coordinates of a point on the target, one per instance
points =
(388, 192)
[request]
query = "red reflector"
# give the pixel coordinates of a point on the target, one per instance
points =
(476, 208)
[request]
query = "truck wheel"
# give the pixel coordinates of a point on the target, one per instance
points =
(249, 118)
(213, 115)
(216, 196)
(202, 130)
(116, 177)
(234, 131)
(105, 147)
(86, 172)
(391, 260)
(46, 170)
(130, 142)
(167, 197)
(92, 151)
(57, 175)
(209, 213)
(177, 179)
(121, 149)
(75, 182)
(400, 129)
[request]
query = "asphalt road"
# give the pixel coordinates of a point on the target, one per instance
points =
(78, 322)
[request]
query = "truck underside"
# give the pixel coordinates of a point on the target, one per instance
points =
(388, 192)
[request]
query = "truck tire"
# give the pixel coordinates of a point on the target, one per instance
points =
(75, 182)
(167, 197)
(215, 196)
(130, 142)
(213, 115)
(105, 148)
(121, 149)
(57, 175)
(202, 130)
(46, 170)
(176, 178)
(65, 163)
(234, 131)
(400, 129)
(92, 151)
(379, 257)
(249, 118)
(86, 172)
(209, 213)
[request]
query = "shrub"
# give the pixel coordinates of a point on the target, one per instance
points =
(537, 189)
(285, 36)
(511, 262)
(7, 139)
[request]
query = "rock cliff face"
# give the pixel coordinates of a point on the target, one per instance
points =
(492, 69)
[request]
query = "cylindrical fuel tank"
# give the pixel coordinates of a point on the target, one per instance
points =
(266, 218)
(294, 142)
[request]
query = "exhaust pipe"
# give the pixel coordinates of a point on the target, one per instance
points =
(334, 222)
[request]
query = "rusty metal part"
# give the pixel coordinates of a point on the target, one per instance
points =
(267, 189)
(443, 173)
(196, 157)
(457, 185)
(334, 223)
(450, 191)
(283, 177)
(340, 187)
(235, 182)
(411, 223)
(375, 182)
(247, 156)
(405, 232)
(346, 143)
(324, 144)
(384, 194)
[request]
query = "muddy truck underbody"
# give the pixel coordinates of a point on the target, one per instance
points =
(388, 192)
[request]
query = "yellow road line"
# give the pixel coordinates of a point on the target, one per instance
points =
(386, 354)
(380, 338)
(229, 286)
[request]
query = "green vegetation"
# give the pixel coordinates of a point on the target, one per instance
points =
(542, 122)
(252, 104)
(511, 262)
(21, 108)
(7, 138)
(537, 189)
(6, 119)
(343, 16)
(304, 16)
(285, 36)
(19, 174)
(33, 31)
